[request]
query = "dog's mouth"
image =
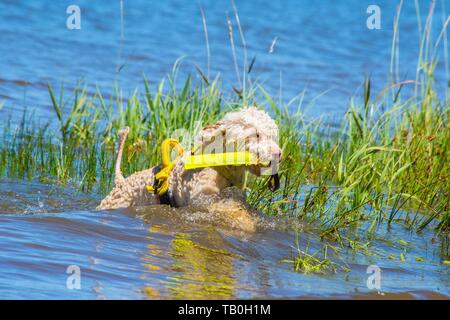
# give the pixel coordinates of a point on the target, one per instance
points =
(274, 180)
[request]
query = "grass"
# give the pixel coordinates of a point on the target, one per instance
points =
(374, 168)
(388, 162)
(317, 262)
(309, 263)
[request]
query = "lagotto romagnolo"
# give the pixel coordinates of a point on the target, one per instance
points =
(248, 127)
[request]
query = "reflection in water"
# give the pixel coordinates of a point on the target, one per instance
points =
(198, 271)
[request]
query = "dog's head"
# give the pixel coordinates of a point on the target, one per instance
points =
(248, 129)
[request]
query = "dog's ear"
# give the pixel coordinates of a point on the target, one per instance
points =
(212, 126)
(210, 131)
(209, 136)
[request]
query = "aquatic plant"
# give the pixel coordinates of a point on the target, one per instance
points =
(375, 167)
(317, 262)
(388, 161)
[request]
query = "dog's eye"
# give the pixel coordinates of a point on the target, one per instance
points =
(257, 135)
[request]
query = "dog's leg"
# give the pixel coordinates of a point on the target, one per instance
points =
(123, 133)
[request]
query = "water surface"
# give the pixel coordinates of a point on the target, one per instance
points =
(158, 252)
(324, 48)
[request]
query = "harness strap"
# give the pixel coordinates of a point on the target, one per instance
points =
(163, 198)
(161, 182)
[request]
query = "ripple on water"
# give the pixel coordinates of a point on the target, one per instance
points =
(161, 252)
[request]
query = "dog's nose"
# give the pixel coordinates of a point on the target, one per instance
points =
(276, 155)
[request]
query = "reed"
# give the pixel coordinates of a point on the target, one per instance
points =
(378, 166)
(388, 161)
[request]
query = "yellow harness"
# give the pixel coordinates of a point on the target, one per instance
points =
(237, 158)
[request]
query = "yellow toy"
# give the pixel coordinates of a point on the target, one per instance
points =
(237, 158)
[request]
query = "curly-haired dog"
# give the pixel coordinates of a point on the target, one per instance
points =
(247, 129)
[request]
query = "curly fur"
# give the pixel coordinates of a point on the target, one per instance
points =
(247, 128)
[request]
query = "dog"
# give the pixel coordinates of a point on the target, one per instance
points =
(212, 188)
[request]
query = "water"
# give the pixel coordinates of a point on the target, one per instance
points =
(323, 48)
(158, 252)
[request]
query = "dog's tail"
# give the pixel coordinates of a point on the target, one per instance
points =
(123, 133)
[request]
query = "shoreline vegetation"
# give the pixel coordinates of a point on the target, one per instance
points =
(378, 166)
(388, 162)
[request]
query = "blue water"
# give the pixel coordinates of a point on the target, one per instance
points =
(156, 253)
(323, 47)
